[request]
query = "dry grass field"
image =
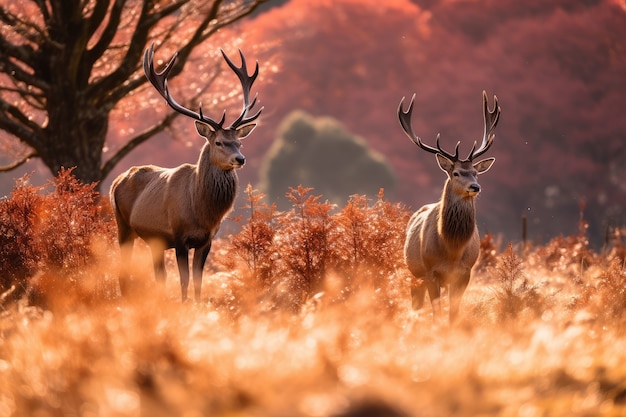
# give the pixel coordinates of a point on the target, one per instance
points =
(541, 330)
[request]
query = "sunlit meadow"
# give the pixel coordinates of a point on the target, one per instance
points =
(304, 313)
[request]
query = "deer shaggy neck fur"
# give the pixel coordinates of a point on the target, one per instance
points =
(214, 185)
(457, 222)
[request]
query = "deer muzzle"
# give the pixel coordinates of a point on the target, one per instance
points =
(239, 161)
(473, 189)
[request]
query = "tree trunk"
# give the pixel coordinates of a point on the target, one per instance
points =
(75, 138)
(76, 128)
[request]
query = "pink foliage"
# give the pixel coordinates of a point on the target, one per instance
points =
(557, 67)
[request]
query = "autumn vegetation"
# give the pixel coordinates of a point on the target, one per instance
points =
(557, 68)
(305, 312)
(306, 308)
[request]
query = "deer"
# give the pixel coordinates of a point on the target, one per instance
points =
(442, 242)
(183, 207)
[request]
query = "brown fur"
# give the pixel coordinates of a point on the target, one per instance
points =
(180, 207)
(183, 207)
(442, 242)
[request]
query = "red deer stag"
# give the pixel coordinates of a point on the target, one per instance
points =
(183, 207)
(442, 242)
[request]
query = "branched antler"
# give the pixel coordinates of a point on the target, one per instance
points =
(405, 121)
(159, 81)
(246, 84)
(491, 120)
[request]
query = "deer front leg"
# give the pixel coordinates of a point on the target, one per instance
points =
(126, 240)
(457, 289)
(418, 292)
(434, 292)
(182, 259)
(158, 261)
(199, 258)
(126, 252)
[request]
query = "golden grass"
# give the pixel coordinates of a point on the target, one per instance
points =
(557, 354)
(304, 313)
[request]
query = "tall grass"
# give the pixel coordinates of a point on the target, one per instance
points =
(305, 313)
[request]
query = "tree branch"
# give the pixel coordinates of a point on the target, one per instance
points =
(108, 34)
(234, 17)
(16, 72)
(136, 141)
(24, 129)
(129, 64)
(18, 163)
(119, 90)
(100, 13)
(44, 9)
(23, 53)
(27, 29)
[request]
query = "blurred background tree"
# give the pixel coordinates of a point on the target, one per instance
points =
(321, 153)
(67, 65)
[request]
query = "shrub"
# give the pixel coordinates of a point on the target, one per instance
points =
(606, 297)
(515, 294)
(254, 244)
(292, 254)
(50, 241)
(488, 251)
(19, 253)
(371, 238)
(304, 242)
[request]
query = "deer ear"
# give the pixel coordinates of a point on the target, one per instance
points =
(444, 163)
(245, 130)
(204, 130)
(484, 165)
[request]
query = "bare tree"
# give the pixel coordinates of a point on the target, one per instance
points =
(66, 65)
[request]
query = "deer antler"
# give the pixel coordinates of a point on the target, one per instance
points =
(491, 120)
(246, 84)
(159, 81)
(405, 121)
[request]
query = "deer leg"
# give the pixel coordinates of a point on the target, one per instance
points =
(126, 241)
(418, 292)
(182, 259)
(199, 258)
(158, 260)
(434, 292)
(456, 293)
(126, 251)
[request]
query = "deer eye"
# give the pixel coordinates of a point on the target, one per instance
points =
(217, 143)
(456, 174)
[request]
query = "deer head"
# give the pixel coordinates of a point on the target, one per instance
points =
(461, 172)
(225, 142)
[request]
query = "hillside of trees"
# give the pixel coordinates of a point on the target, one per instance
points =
(558, 69)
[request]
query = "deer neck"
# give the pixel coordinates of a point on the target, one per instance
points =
(457, 218)
(215, 187)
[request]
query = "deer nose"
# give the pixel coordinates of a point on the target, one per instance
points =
(474, 188)
(240, 160)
